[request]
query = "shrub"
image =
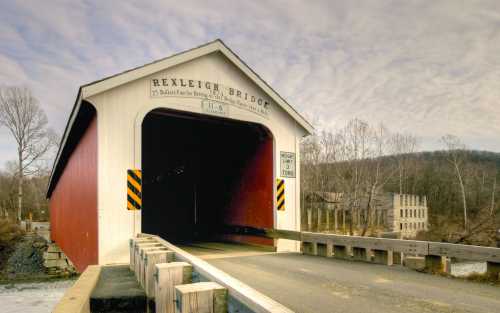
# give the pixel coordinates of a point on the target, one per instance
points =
(9, 233)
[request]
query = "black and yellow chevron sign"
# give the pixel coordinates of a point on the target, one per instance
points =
(280, 194)
(134, 189)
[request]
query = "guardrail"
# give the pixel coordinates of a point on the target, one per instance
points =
(391, 251)
(435, 255)
(240, 297)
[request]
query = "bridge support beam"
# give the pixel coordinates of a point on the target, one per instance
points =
(383, 257)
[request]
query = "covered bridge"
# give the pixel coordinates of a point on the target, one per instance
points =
(206, 141)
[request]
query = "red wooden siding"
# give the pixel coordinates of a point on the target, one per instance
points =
(73, 203)
(252, 204)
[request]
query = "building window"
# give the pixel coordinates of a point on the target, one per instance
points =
(406, 226)
(411, 213)
(401, 226)
(406, 212)
(401, 212)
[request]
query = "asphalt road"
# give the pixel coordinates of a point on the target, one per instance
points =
(308, 284)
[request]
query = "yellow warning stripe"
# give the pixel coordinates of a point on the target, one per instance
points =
(134, 190)
(130, 206)
(280, 194)
(134, 183)
(138, 173)
(134, 196)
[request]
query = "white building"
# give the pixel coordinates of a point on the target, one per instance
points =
(410, 214)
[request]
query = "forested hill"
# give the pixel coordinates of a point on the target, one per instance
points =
(436, 175)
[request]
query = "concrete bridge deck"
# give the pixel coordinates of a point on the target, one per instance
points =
(308, 284)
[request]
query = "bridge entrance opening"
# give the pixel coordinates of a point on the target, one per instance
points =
(202, 174)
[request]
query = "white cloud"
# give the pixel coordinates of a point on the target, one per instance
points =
(427, 67)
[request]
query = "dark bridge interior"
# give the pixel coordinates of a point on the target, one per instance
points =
(202, 173)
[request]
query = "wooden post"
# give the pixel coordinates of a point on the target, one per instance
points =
(343, 221)
(446, 265)
(318, 228)
(132, 243)
(335, 215)
(327, 226)
(142, 263)
(137, 245)
(204, 297)
(151, 258)
(167, 276)
(309, 219)
(433, 264)
(383, 257)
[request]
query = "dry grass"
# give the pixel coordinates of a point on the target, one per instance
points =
(9, 232)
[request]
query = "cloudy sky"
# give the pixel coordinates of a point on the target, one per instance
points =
(425, 67)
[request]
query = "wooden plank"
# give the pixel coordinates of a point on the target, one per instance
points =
(466, 252)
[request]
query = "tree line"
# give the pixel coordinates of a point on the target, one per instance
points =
(363, 162)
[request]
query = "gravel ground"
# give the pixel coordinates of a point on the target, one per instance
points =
(32, 297)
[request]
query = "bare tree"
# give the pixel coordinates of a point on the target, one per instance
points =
(456, 156)
(403, 146)
(352, 143)
(378, 174)
(27, 123)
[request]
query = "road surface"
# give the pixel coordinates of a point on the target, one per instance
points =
(308, 284)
